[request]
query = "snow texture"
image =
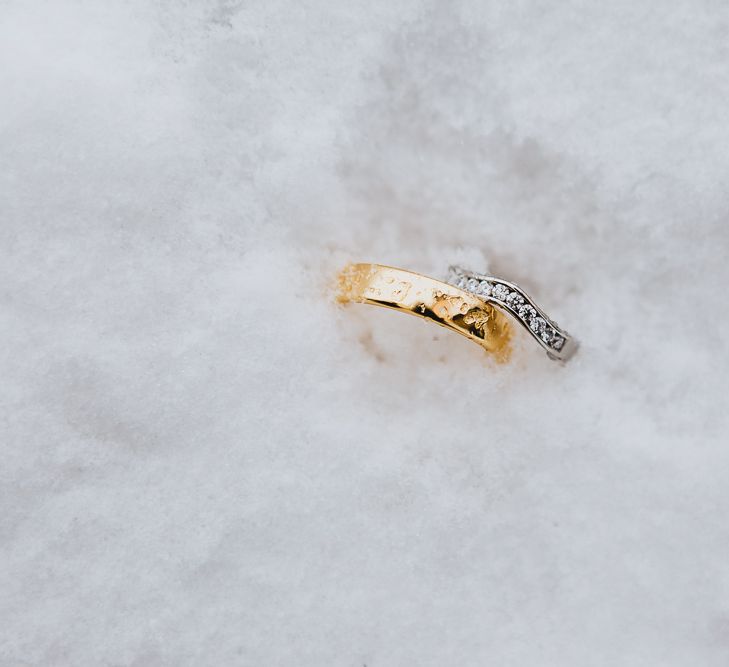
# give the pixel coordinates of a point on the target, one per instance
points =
(206, 461)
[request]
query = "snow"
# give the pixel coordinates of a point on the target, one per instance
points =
(206, 460)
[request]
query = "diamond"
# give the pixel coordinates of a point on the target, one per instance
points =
(472, 284)
(547, 334)
(484, 288)
(500, 292)
(461, 282)
(558, 342)
(537, 325)
(526, 312)
(515, 300)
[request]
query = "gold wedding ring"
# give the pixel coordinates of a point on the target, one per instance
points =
(430, 299)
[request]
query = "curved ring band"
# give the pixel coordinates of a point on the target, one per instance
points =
(558, 344)
(449, 306)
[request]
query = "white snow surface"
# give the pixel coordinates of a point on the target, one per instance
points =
(207, 461)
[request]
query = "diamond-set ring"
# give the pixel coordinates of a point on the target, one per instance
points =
(558, 344)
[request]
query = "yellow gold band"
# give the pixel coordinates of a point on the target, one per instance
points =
(430, 299)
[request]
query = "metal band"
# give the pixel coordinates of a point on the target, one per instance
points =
(430, 299)
(556, 341)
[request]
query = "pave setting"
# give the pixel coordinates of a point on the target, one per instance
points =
(556, 341)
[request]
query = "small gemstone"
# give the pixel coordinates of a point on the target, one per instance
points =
(537, 325)
(461, 282)
(557, 342)
(515, 300)
(472, 284)
(484, 288)
(500, 292)
(526, 312)
(547, 335)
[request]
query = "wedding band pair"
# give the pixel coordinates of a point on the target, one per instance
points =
(477, 306)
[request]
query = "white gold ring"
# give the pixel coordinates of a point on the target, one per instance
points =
(558, 344)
